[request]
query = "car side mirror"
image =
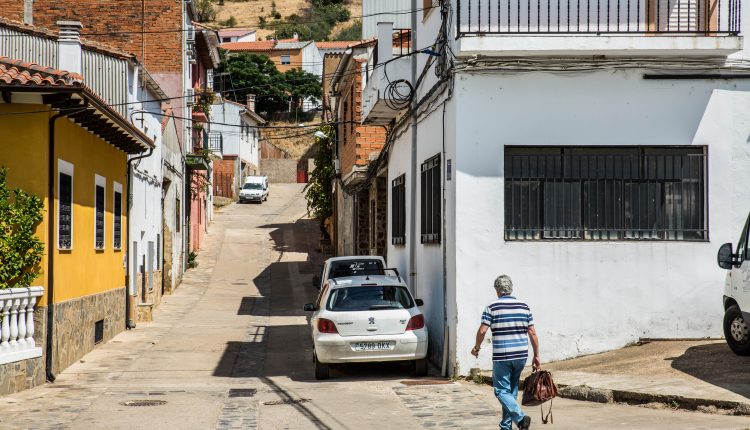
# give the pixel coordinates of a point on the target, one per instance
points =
(725, 257)
(419, 302)
(309, 307)
(316, 281)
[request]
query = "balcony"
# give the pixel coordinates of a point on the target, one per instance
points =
(599, 27)
(17, 328)
(214, 142)
(388, 89)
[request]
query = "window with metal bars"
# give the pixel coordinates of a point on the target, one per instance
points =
(398, 211)
(431, 200)
(612, 193)
(99, 217)
(65, 211)
(117, 224)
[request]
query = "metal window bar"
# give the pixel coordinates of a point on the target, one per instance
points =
(644, 193)
(713, 18)
(430, 200)
(398, 210)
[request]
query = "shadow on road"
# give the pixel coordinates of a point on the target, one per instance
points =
(716, 364)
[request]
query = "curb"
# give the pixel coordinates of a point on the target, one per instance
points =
(607, 396)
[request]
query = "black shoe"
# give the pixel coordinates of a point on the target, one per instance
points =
(525, 423)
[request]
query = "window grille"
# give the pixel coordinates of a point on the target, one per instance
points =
(431, 200)
(613, 193)
(398, 210)
(117, 224)
(65, 207)
(99, 218)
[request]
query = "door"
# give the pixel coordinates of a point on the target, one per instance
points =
(740, 273)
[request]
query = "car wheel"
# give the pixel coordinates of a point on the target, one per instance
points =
(420, 367)
(322, 370)
(736, 331)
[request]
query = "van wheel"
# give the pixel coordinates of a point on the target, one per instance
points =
(420, 367)
(736, 331)
(322, 370)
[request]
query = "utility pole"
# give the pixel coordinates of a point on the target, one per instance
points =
(413, 197)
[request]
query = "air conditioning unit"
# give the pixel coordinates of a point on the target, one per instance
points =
(190, 34)
(191, 54)
(190, 96)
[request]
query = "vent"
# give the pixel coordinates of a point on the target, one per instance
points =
(141, 403)
(98, 332)
(286, 402)
(242, 392)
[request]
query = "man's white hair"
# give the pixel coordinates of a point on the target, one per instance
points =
(504, 285)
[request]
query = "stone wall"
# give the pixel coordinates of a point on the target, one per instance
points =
(379, 199)
(74, 325)
(279, 170)
(25, 374)
(362, 218)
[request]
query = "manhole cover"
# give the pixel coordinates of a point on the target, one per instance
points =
(427, 382)
(242, 392)
(144, 403)
(286, 402)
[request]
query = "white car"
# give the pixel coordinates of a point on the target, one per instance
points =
(367, 319)
(352, 265)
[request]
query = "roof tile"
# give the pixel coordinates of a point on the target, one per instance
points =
(16, 72)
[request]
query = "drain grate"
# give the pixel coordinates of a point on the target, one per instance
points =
(286, 402)
(427, 382)
(242, 392)
(140, 403)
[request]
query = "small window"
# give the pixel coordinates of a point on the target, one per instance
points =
(226, 39)
(117, 217)
(286, 59)
(431, 200)
(398, 211)
(99, 208)
(177, 212)
(98, 332)
(64, 205)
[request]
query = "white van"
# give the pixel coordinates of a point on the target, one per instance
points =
(255, 189)
(737, 293)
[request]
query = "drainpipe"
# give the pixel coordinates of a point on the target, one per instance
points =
(51, 240)
(413, 185)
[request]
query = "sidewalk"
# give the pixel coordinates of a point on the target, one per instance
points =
(695, 375)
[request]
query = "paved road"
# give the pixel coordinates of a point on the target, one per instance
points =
(231, 350)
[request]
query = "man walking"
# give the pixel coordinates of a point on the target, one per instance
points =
(512, 326)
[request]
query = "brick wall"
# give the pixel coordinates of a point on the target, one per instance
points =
(162, 50)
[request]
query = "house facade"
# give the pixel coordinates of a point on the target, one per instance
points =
(597, 159)
(78, 148)
(229, 35)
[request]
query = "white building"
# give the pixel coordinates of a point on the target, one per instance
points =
(228, 35)
(599, 160)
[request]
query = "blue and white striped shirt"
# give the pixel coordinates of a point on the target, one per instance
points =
(509, 320)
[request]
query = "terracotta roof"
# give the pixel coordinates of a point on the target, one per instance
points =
(50, 34)
(235, 32)
(337, 44)
(260, 46)
(19, 73)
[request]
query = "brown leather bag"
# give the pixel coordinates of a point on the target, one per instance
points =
(539, 388)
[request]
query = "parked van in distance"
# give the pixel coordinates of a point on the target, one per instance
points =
(255, 189)
(737, 292)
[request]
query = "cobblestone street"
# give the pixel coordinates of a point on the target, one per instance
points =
(231, 349)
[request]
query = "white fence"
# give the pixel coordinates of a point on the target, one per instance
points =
(17, 327)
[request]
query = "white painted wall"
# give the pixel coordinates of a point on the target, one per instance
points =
(240, 142)
(174, 214)
(589, 297)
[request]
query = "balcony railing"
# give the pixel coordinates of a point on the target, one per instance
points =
(667, 17)
(214, 142)
(17, 327)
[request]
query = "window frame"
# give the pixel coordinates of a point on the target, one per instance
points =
(65, 168)
(638, 193)
(431, 200)
(288, 60)
(398, 210)
(100, 182)
(116, 215)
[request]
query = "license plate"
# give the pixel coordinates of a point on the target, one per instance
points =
(373, 346)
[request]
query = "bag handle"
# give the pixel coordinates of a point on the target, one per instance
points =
(549, 416)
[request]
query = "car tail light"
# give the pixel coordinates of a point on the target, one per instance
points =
(326, 326)
(415, 323)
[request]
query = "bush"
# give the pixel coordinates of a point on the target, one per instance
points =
(21, 250)
(353, 32)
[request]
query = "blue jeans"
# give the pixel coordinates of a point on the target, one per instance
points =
(505, 378)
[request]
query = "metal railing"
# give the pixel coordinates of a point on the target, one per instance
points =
(401, 44)
(214, 142)
(686, 17)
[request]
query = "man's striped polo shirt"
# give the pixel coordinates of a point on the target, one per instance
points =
(509, 320)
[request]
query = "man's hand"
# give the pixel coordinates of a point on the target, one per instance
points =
(480, 338)
(475, 352)
(536, 362)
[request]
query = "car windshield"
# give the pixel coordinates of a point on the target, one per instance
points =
(251, 186)
(344, 268)
(369, 298)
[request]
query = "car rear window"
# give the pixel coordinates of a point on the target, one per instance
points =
(344, 268)
(369, 298)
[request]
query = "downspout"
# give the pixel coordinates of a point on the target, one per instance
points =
(413, 185)
(51, 240)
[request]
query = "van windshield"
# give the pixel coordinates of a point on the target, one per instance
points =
(344, 268)
(369, 298)
(251, 186)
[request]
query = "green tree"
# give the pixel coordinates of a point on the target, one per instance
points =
(319, 190)
(315, 24)
(205, 11)
(20, 249)
(353, 32)
(301, 85)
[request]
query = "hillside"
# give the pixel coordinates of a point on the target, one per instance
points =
(248, 12)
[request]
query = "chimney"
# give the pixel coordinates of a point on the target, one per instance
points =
(251, 102)
(385, 41)
(296, 36)
(28, 12)
(69, 46)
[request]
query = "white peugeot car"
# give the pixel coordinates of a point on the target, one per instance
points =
(367, 319)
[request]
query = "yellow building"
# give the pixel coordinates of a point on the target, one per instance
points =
(63, 144)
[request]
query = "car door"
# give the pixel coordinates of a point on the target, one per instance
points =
(740, 273)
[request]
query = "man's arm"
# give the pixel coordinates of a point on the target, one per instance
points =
(535, 344)
(480, 337)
